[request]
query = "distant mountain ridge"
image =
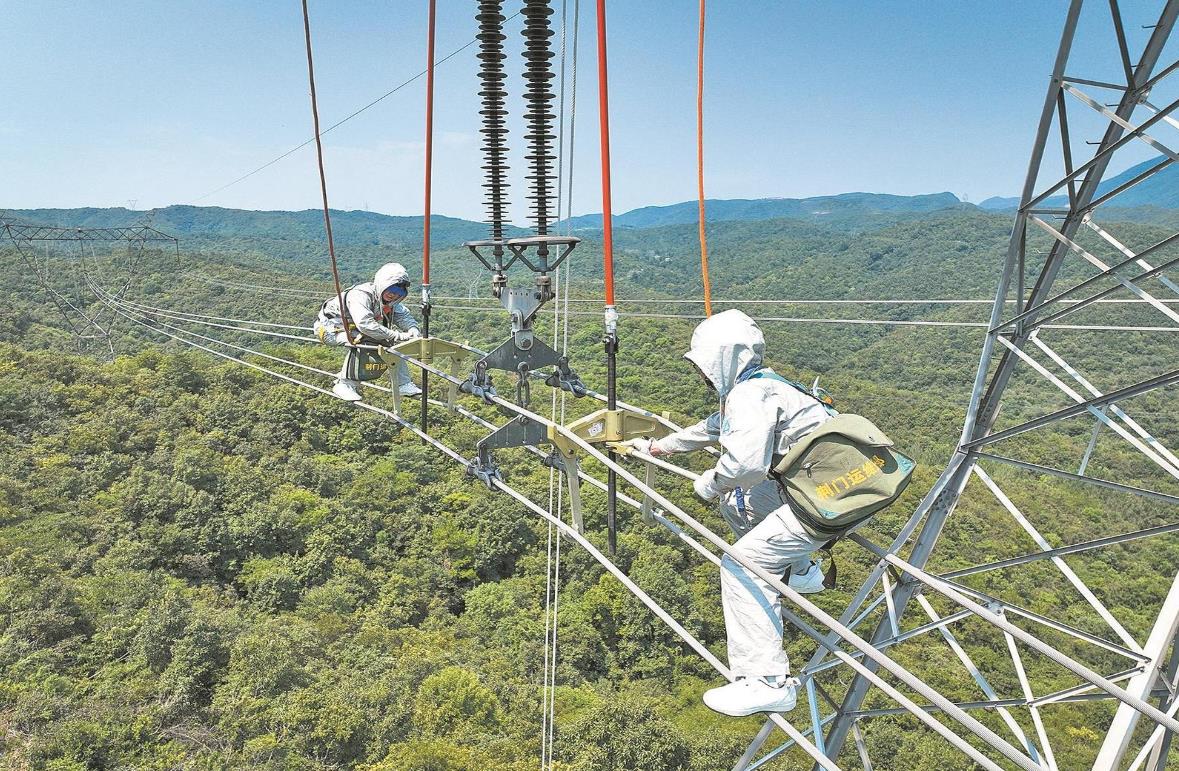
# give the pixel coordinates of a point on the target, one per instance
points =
(1156, 199)
(817, 209)
(1160, 191)
(196, 222)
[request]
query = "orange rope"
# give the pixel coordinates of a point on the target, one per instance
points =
(327, 217)
(700, 162)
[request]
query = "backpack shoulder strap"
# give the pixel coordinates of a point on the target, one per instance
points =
(816, 393)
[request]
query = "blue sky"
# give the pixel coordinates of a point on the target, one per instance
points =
(164, 102)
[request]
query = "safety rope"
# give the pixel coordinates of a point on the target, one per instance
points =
(700, 163)
(327, 216)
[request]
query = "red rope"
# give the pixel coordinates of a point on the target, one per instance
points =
(327, 217)
(604, 123)
(429, 144)
(700, 162)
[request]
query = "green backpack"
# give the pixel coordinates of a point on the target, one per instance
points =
(840, 474)
(365, 365)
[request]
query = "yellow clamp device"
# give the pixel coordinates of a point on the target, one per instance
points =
(609, 427)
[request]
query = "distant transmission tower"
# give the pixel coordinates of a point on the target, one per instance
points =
(1066, 254)
(77, 310)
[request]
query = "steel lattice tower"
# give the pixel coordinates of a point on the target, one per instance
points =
(1065, 257)
(74, 308)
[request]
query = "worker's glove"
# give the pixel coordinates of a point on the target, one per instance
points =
(403, 337)
(645, 446)
(414, 333)
(703, 485)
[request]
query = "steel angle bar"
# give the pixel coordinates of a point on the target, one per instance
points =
(979, 678)
(866, 612)
(946, 589)
(985, 705)
(1077, 692)
(755, 745)
(1111, 115)
(975, 727)
(1117, 739)
(861, 746)
(1134, 426)
(1051, 623)
(942, 623)
(1090, 447)
(1106, 270)
(1128, 252)
(1158, 381)
(1163, 73)
(1152, 741)
(816, 718)
(1153, 108)
(1069, 574)
(1105, 483)
(1077, 305)
(1028, 695)
(1096, 83)
(777, 751)
(1103, 154)
(1002, 606)
(1123, 48)
(1133, 181)
(1066, 149)
(1061, 551)
(890, 607)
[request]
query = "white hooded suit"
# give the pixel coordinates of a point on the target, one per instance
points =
(369, 318)
(760, 418)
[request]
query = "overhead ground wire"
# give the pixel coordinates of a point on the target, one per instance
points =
(343, 120)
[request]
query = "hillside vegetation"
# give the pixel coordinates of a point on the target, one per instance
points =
(204, 567)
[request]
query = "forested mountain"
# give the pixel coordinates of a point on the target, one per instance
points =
(845, 209)
(1159, 191)
(213, 223)
(205, 567)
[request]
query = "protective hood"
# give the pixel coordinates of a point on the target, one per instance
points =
(388, 275)
(724, 346)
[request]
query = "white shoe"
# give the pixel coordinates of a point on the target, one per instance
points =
(750, 695)
(409, 389)
(346, 390)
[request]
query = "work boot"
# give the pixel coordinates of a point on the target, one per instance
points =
(749, 695)
(409, 389)
(347, 390)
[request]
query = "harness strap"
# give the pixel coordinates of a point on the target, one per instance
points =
(816, 393)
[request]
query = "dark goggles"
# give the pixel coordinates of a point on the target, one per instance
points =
(395, 293)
